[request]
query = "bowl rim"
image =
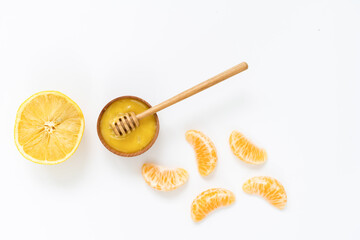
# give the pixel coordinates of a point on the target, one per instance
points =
(123, 154)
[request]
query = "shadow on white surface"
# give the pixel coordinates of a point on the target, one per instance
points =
(210, 111)
(170, 195)
(124, 165)
(245, 165)
(69, 172)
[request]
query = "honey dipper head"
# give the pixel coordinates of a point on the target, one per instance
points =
(125, 124)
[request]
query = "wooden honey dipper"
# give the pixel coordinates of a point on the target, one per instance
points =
(126, 123)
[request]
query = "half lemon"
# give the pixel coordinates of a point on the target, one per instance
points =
(48, 127)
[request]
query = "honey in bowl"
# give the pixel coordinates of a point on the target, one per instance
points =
(139, 140)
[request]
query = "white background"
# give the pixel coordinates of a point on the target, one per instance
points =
(299, 100)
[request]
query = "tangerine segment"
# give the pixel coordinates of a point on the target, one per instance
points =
(210, 200)
(269, 188)
(245, 150)
(205, 151)
(48, 127)
(164, 179)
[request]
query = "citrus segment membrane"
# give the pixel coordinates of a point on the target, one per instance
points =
(162, 178)
(205, 151)
(210, 200)
(269, 188)
(245, 150)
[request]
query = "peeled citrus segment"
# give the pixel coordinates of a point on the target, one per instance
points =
(164, 179)
(48, 127)
(269, 188)
(210, 200)
(245, 150)
(205, 151)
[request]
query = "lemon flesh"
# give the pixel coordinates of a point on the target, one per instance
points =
(48, 127)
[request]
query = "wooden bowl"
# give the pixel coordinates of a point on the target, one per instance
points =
(123, 154)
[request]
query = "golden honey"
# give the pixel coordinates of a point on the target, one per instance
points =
(137, 139)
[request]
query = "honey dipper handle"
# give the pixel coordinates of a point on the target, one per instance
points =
(198, 88)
